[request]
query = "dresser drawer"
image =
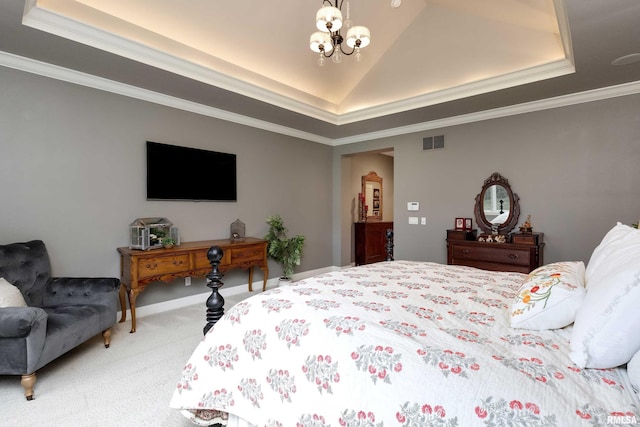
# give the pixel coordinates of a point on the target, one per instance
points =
(148, 267)
(248, 254)
(202, 261)
(512, 256)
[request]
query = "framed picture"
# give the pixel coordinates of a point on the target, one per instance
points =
(459, 223)
(376, 193)
(376, 204)
(468, 224)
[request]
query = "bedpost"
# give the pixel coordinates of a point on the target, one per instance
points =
(389, 245)
(215, 302)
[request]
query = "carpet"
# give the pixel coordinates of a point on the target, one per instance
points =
(128, 384)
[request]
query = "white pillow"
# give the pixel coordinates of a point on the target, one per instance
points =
(615, 239)
(550, 296)
(605, 332)
(633, 369)
(10, 296)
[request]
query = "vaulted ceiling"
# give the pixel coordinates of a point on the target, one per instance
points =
(429, 60)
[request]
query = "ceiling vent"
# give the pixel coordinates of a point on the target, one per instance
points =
(433, 142)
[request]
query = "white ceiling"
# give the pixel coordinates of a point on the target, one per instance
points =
(423, 53)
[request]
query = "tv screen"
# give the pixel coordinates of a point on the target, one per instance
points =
(184, 173)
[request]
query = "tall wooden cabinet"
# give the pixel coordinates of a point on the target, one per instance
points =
(370, 241)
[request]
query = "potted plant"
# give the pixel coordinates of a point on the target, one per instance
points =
(168, 242)
(287, 251)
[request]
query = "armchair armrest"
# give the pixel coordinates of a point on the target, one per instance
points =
(81, 290)
(16, 322)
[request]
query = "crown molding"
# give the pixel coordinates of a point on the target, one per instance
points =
(71, 76)
(542, 72)
(32, 66)
(625, 89)
(275, 93)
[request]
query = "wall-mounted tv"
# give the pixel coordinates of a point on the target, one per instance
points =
(184, 173)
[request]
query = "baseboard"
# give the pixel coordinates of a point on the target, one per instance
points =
(201, 298)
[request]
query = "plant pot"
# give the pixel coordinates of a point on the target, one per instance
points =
(168, 246)
(284, 281)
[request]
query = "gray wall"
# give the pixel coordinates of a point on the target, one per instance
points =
(72, 173)
(575, 169)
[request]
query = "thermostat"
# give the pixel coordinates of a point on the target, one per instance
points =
(413, 206)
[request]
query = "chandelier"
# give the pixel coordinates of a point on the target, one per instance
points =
(328, 41)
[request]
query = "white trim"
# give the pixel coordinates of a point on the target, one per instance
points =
(201, 298)
(59, 73)
(278, 94)
(529, 75)
(625, 89)
(71, 76)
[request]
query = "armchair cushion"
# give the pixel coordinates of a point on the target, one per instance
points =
(19, 321)
(80, 291)
(10, 296)
(26, 266)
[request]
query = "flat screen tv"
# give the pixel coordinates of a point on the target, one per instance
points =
(184, 173)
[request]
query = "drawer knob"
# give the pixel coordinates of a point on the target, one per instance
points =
(513, 256)
(465, 251)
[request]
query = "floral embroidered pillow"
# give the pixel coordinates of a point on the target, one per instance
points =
(550, 296)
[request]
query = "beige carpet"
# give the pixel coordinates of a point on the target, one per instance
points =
(128, 384)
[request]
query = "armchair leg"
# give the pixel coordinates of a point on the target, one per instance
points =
(28, 381)
(106, 335)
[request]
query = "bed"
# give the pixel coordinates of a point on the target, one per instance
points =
(404, 343)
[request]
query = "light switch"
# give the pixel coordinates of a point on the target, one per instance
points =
(423, 220)
(413, 220)
(413, 206)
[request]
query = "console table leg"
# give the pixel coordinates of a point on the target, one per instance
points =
(123, 304)
(251, 279)
(133, 294)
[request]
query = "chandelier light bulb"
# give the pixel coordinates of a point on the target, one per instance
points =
(320, 41)
(321, 60)
(358, 55)
(358, 33)
(337, 57)
(328, 19)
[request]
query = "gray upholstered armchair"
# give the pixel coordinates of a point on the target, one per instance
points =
(61, 313)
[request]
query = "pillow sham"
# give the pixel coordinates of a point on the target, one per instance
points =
(605, 332)
(550, 296)
(10, 296)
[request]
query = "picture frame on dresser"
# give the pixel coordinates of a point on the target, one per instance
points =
(459, 224)
(468, 223)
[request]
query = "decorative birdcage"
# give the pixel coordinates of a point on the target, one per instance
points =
(152, 233)
(237, 231)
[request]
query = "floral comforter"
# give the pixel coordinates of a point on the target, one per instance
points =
(394, 344)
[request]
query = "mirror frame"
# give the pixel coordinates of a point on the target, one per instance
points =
(514, 210)
(372, 177)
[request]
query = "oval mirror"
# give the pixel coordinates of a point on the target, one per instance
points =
(496, 208)
(372, 190)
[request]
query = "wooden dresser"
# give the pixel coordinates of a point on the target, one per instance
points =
(139, 268)
(523, 256)
(370, 241)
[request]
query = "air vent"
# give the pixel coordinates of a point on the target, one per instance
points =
(433, 142)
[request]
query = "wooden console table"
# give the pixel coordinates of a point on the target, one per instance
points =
(138, 268)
